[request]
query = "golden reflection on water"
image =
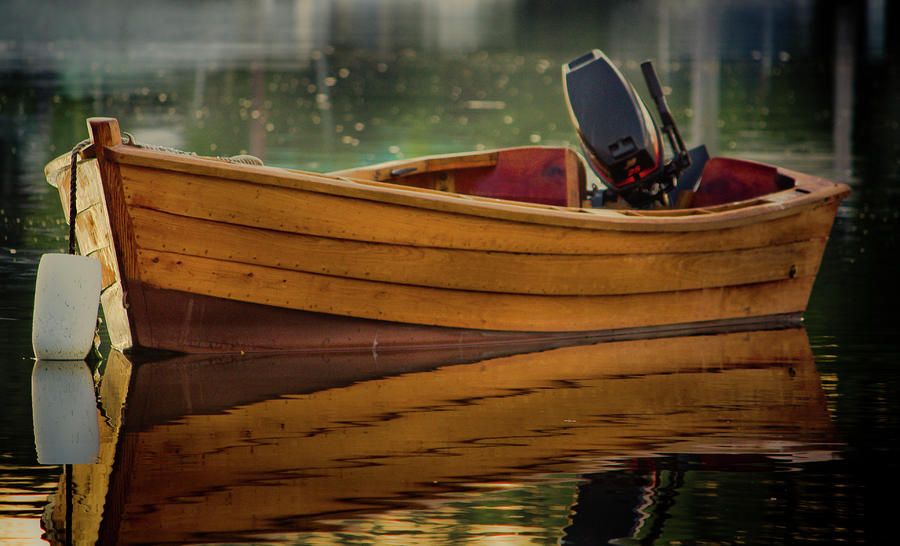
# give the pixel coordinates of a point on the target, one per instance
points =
(20, 531)
(421, 447)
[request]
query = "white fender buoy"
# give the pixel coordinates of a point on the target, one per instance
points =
(66, 301)
(64, 410)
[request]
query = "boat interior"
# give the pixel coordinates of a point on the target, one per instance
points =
(558, 176)
(621, 142)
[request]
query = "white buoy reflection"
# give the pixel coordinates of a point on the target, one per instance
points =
(64, 410)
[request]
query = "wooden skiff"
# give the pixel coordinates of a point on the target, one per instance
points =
(210, 255)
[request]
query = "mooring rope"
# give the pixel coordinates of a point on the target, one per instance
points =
(243, 159)
(73, 183)
(73, 213)
(127, 138)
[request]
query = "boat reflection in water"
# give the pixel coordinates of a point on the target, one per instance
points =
(64, 412)
(236, 448)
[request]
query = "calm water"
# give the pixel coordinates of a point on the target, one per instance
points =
(764, 437)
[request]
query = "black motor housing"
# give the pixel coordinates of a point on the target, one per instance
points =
(620, 138)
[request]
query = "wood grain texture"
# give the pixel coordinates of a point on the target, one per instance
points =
(814, 191)
(395, 170)
(505, 272)
(194, 323)
(105, 134)
(95, 239)
(413, 252)
(465, 309)
(327, 215)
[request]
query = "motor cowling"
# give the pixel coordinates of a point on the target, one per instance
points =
(619, 136)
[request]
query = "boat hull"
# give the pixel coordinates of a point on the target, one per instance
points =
(201, 255)
(194, 323)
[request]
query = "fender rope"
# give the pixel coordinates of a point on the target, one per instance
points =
(128, 139)
(73, 182)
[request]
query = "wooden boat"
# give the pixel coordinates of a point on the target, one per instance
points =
(234, 448)
(211, 255)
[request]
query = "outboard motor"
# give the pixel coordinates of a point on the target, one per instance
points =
(620, 138)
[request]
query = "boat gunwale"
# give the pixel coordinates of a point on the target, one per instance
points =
(808, 191)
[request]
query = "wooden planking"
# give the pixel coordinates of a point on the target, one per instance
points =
(538, 174)
(94, 239)
(92, 230)
(576, 189)
(815, 190)
(465, 309)
(382, 171)
(333, 216)
(89, 190)
(474, 270)
(91, 222)
(105, 134)
(340, 211)
(56, 170)
(115, 314)
(197, 323)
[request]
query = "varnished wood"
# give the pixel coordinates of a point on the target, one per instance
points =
(327, 215)
(815, 190)
(406, 254)
(194, 323)
(395, 170)
(576, 187)
(505, 272)
(95, 238)
(105, 135)
(456, 308)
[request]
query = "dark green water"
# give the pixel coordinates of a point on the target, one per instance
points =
(811, 86)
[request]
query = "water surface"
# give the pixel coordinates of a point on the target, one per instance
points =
(322, 86)
(428, 447)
